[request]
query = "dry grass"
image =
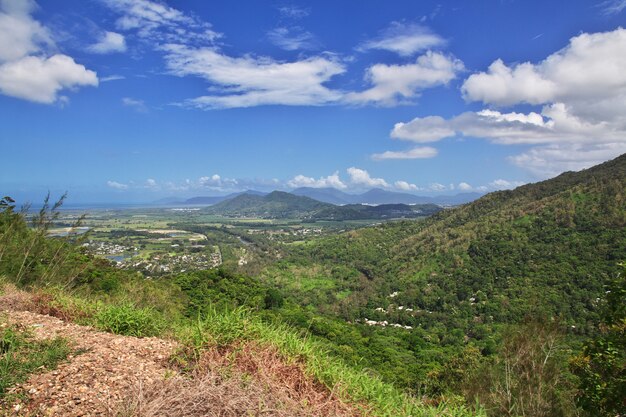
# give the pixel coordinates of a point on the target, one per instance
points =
(244, 381)
(12, 298)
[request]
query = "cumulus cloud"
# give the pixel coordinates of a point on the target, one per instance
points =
(255, 81)
(405, 186)
(437, 187)
(423, 129)
(40, 79)
(26, 70)
(501, 184)
(392, 84)
(362, 177)
(591, 67)
(20, 34)
(292, 38)
(151, 183)
(415, 153)
(405, 39)
(463, 186)
(109, 42)
(216, 182)
(332, 181)
(117, 185)
(581, 121)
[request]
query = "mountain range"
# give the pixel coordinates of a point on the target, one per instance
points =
(278, 204)
(334, 196)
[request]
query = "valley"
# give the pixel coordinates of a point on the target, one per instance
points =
(426, 302)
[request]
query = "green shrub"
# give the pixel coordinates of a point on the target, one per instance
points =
(125, 319)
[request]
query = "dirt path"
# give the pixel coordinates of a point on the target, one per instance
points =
(99, 377)
(112, 375)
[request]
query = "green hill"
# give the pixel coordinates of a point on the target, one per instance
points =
(276, 204)
(551, 244)
(543, 252)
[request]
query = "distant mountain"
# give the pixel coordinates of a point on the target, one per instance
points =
(210, 200)
(326, 195)
(380, 196)
(278, 204)
(168, 200)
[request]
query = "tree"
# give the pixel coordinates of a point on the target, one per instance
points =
(601, 366)
(529, 375)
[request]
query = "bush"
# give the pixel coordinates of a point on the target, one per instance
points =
(128, 320)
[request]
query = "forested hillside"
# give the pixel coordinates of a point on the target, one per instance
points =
(541, 253)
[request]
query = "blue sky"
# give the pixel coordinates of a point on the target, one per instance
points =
(134, 100)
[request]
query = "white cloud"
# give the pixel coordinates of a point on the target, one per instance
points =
(415, 153)
(362, 177)
(392, 84)
(136, 104)
(423, 129)
(216, 182)
(158, 22)
(190, 48)
(332, 181)
(117, 185)
(25, 70)
(611, 7)
(502, 85)
(501, 184)
(463, 186)
(293, 12)
(551, 160)
(152, 184)
(40, 79)
(405, 186)
(113, 77)
(582, 119)
(405, 39)
(250, 81)
(591, 67)
(555, 124)
(20, 34)
(292, 39)
(109, 42)
(437, 187)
